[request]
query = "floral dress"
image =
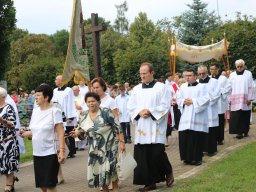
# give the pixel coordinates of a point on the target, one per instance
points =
(9, 148)
(103, 147)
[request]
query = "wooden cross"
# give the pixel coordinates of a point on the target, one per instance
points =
(95, 31)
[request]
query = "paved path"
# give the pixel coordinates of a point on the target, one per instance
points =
(75, 169)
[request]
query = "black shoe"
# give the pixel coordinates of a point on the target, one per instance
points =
(211, 154)
(71, 156)
(187, 162)
(239, 136)
(220, 143)
(196, 163)
(148, 188)
(169, 180)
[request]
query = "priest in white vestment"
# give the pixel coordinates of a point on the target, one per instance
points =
(83, 88)
(65, 97)
(242, 94)
(80, 107)
(193, 102)
(148, 106)
(213, 90)
(222, 102)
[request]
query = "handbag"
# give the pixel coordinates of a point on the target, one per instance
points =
(56, 143)
(125, 165)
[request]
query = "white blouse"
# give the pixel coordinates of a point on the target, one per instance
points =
(42, 126)
(108, 102)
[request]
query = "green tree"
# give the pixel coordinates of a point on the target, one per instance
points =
(7, 25)
(110, 42)
(121, 22)
(18, 34)
(193, 25)
(60, 40)
(33, 46)
(144, 43)
(241, 35)
(41, 70)
(34, 49)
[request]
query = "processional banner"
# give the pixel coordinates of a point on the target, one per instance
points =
(197, 54)
(76, 64)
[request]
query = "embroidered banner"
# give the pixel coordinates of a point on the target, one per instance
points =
(76, 64)
(197, 54)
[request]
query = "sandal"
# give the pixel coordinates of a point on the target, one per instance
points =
(62, 181)
(9, 188)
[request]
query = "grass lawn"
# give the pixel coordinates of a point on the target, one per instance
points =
(236, 173)
(28, 155)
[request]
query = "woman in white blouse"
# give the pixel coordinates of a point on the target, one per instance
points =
(46, 123)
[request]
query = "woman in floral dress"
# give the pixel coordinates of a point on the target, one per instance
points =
(9, 148)
(103, 135)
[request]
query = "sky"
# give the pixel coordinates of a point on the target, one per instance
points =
(48, 16)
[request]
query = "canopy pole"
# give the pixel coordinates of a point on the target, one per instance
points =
(224, 63)
(170, 54)
(227, 57)
(174, 59)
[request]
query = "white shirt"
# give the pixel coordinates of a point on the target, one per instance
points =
(108, 102)
(42, 126)
(121, 103)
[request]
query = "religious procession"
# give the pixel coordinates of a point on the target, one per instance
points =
(90, 134)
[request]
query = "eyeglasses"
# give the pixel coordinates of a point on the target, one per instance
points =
(201, 73)
(239, 66)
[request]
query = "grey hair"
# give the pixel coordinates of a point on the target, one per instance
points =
(203, 67)
(240, 61)
(3, 92)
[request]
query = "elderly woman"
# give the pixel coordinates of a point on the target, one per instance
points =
(9, 148)
(103, 135)
(46, 124)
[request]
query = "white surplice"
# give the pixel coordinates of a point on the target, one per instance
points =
(212, 88)
(242, 89)
(194, 116)
(157, 101)
(83, 89)
(223, 100)
(67, 101)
